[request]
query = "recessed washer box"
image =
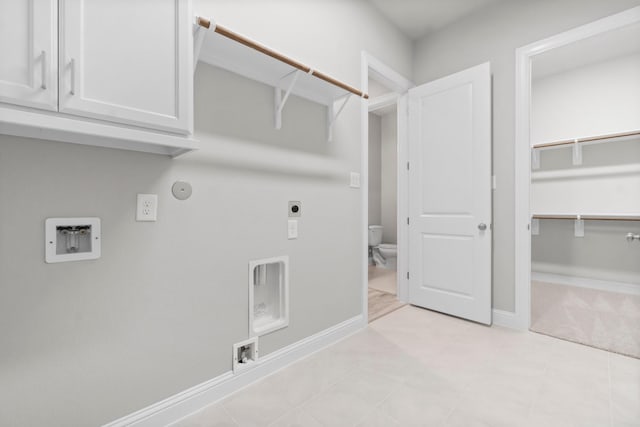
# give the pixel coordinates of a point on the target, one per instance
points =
(268, 295)
(72, 239)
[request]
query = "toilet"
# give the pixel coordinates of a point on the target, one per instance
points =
(384, 255)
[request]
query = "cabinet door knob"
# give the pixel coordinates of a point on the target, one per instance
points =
(482, 226)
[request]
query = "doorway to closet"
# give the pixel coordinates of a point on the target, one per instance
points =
(584, 186)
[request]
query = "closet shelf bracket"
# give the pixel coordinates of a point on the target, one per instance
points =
(578, 227)
(281, 100)
(331, 117)
(577, 153)
(535, 159)
(535, 226)
(199, 32)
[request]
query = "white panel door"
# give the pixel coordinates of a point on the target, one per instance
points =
(128, 61)
(450, 195)
(28, 53)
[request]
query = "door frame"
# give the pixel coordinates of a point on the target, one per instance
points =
(524, 57)
(373, 67)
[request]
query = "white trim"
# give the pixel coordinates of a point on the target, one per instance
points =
(373, 67)
(523, 147)
(183, 404)
(403, 198)
(585, 282)
(506, 319)
(364, 186)
(383, 101)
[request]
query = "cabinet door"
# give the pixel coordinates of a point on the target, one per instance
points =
(128, 61)
(28, 53)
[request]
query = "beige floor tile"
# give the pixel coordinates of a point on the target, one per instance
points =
(337, 408)
(383, 280)
(625, 390)
(377, 419)
(296, 418)
(428, 404)
(211, 416)
(370, 386)
(256, 405)
(415, 367)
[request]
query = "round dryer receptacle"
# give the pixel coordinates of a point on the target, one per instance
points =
(181, 190)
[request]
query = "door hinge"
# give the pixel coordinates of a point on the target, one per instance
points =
(407, 220)
(407, 165)
(407, 275)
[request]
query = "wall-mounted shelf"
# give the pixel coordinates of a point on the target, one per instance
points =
(577, 145)
(221, 47)
(579, 220)
(590, 217)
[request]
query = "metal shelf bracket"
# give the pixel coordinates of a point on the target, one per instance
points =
(535, 158)
(535, 226)
(281, 100)
(577, 153)
(198, 38)
(331, 117)
(578, 227)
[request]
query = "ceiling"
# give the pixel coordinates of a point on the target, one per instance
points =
(417, 18)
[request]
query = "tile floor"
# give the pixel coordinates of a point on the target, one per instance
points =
(414, 367)
(381, 304)
(383, 280)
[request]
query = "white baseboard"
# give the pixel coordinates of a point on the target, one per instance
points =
(192, 400)
(584, 282)
(507, 319)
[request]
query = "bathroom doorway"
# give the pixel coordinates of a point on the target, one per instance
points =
(385, 130)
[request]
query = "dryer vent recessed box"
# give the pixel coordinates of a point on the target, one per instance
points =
(268, 295)
(72, 239)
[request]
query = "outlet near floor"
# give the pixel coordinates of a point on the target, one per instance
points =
(245, 353)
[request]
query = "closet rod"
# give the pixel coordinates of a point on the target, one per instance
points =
(589, 217)
(588, 139)
(206, 23)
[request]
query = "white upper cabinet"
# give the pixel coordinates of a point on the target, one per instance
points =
(29, 56)
(127, 61)
(110, 73)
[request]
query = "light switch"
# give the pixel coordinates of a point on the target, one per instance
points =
(292, 229)
(355, 180)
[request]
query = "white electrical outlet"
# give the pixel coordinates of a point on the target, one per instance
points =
(147, 207)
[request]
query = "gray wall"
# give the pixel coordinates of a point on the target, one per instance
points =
(85, 343)
(493, 34)
(375, 171)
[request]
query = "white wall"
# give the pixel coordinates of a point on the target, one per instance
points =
(595, 99)
(389, 178)
(493, 34)
(85, 343)
(375, 171)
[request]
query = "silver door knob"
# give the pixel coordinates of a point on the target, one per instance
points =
(631, 237)
(482, 226)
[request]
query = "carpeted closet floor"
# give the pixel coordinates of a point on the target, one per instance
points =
(602, 319)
